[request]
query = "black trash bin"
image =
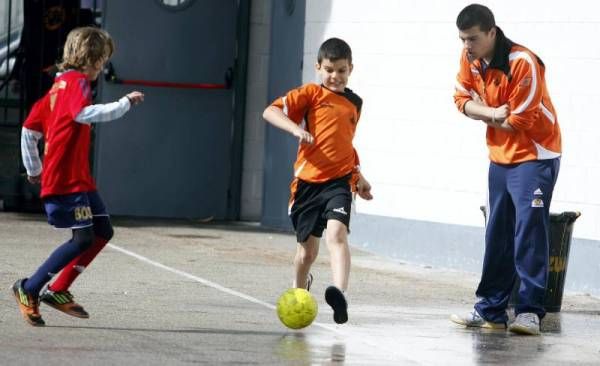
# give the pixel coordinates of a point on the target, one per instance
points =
(561, 233)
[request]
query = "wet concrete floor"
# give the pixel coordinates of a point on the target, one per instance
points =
(182, 292)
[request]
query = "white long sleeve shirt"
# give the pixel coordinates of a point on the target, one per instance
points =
(96, 113)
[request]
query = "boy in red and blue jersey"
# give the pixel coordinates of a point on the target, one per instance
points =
(63, 118)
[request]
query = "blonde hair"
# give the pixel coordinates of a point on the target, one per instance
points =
(86, 46)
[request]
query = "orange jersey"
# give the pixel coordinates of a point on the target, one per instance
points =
(331, 119)
(514, 77)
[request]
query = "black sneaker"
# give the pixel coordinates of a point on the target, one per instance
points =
(309, 281)
(63, 301)
(336, 299)
(28, 304)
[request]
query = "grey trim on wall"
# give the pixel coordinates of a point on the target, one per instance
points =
(239, 80)
(285, 73)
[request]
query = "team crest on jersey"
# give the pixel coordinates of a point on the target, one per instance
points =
(525, 82)
(537, 202)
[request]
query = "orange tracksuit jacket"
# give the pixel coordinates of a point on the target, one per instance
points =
(515, 77)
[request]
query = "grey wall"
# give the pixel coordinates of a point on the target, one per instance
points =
(285, 73)
(459, 247)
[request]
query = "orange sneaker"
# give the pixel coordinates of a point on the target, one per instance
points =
(28, 304)
(63, 301)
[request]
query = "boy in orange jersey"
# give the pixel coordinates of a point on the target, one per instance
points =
(502, 84)
(323, 118)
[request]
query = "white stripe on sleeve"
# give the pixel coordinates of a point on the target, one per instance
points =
(458, 87)
(30, 152)
(285, 107)
(547, 113)
(534, 81)
(103, 112)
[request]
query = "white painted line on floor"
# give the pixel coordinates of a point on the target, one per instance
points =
(192, 277)
(361, 338)
(206, 282)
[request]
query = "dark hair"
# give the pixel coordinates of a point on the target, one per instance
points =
(334, 49)
(476, 15)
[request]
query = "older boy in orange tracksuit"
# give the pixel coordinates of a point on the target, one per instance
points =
(502, 84)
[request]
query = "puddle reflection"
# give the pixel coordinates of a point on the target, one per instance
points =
(503, 347)
(303, 349)
(551, 323)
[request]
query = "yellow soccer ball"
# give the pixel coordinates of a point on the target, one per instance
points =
(297, 308)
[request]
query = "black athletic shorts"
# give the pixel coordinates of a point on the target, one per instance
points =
(315, 203)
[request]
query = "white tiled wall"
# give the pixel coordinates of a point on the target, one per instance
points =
(424, 159)
(256, 99)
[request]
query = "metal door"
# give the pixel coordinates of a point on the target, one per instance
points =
(175, 155)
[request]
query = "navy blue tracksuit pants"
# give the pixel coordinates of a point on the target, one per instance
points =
(517, 237)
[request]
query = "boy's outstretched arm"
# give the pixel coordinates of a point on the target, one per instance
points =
(277, 118)
(110, 111)
(363, 188)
